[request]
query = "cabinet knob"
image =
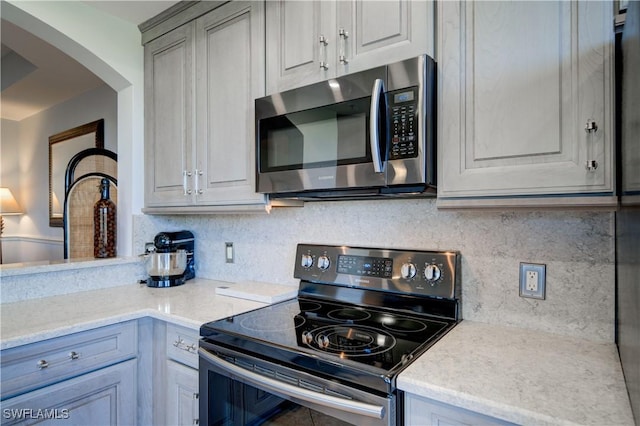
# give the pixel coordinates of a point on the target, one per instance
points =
(591, 126)
(592, 165)
(42, 364)
(74, 355)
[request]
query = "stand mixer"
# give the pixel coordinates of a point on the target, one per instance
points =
(172, 262)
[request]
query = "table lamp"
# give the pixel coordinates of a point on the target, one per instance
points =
(8, 206)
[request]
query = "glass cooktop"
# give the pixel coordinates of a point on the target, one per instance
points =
(371, 337)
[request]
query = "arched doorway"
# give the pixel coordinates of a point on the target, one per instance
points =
(111, 49)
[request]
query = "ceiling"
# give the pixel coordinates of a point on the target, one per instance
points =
(37, 76)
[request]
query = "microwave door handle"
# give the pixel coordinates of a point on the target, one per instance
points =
(377, 96)
(355, 407)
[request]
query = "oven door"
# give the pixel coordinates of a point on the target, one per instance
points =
(236, 389)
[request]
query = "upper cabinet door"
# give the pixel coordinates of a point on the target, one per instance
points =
(169, 134)
(374, 33)
(518, 84)
(230, 75)
(300, 43)
(311, 41)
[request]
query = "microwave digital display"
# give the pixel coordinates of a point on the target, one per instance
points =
(403, 97)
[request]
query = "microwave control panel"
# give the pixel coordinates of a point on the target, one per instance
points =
(403, 108)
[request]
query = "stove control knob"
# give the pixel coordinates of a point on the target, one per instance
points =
(323, 263)
(306, 261)
(323, 341)
(408, 271)
(432, 273)
(307, 337)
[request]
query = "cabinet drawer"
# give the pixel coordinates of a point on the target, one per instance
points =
(425, 411)
(103, 397)
(182, 345)
(29, 367)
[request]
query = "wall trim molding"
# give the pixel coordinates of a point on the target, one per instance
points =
(32, 239)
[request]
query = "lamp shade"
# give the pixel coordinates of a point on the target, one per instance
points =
(8, 203)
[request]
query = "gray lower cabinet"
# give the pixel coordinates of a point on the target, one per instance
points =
(179, 361)
(201, 80)
(425, 411)
(182, 394)
(83, 378)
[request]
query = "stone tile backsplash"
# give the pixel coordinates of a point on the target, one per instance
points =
(576, 246)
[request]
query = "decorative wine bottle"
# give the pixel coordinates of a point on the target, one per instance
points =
(104, 219)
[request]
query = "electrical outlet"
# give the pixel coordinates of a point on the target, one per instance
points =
(532, 280)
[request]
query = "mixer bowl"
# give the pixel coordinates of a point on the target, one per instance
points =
(167, 265)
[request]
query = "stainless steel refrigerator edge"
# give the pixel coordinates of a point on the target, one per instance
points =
(628, 217)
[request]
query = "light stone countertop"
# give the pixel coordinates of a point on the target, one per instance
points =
(523, 376)
(191, 305)
(517, 375)
(46, 266)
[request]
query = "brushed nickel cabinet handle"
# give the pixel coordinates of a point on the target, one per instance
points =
(344, 35)
(591, 127)
(42, 364)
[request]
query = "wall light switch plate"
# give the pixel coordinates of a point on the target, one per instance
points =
(228, 252)
(533, 280)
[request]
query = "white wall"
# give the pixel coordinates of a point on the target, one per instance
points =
(111, 49)
(25, 165)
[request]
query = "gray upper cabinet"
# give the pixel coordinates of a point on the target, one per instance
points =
(525, 104)
(201, 80)
(311, 41)
(229, 76)
(169, 131)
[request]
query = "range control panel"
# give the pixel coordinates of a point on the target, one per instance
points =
(427, 273)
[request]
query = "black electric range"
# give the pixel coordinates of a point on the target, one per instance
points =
(361, 316)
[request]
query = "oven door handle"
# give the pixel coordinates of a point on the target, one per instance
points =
(266, 383)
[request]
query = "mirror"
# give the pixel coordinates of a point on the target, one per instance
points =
(62, 147)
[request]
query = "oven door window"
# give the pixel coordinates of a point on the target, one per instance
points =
(233, 403)
(332, 135)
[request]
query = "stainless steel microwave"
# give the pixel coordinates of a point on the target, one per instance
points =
(370, 133)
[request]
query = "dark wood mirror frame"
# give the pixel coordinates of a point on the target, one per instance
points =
(76, 140)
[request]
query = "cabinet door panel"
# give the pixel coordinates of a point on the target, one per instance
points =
(511, 88)
(382, 32)
(169, 116)
(518, 83)
(293, 48)
(104, 397)
(182, 394)
(230, 75)
(424, 411)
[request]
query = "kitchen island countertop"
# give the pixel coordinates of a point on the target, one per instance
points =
(517, 375)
